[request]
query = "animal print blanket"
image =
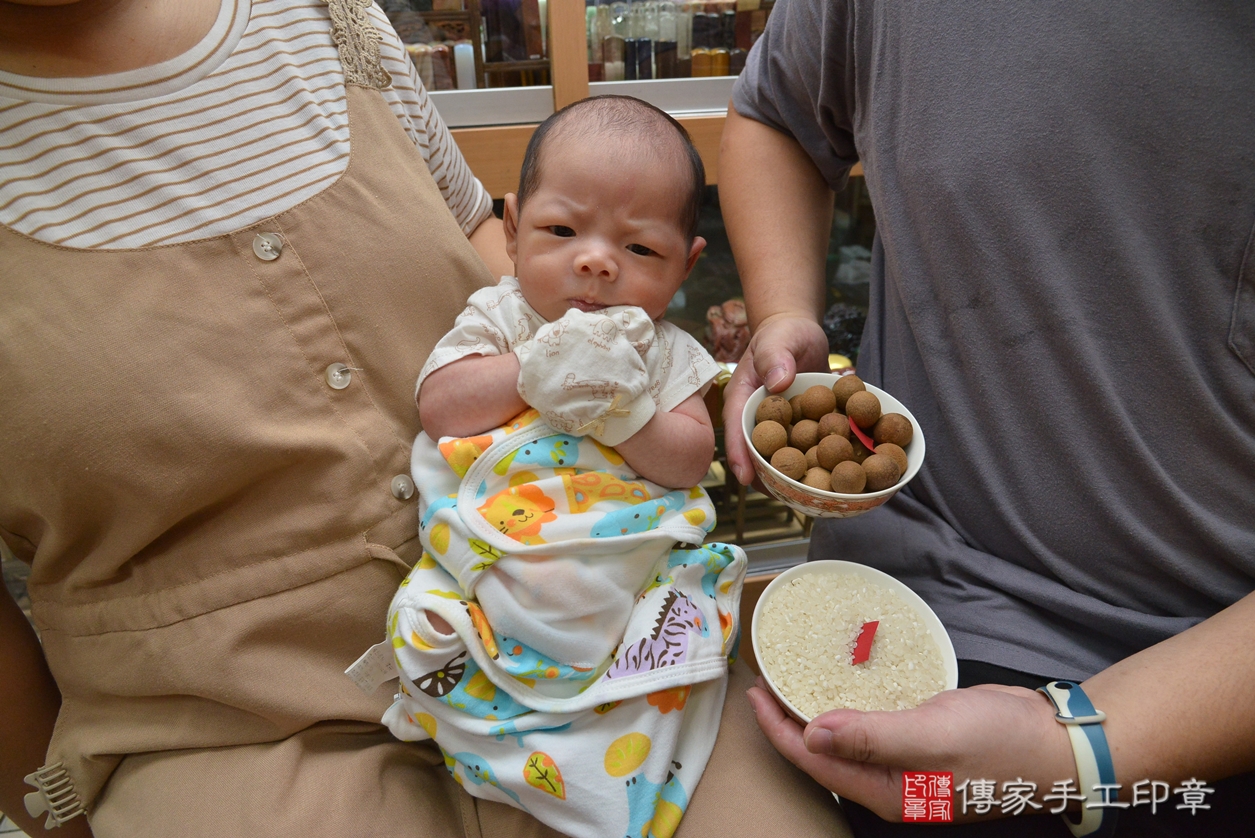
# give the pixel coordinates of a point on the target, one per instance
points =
(584, 678)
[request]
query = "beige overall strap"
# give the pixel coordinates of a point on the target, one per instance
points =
(357, 41)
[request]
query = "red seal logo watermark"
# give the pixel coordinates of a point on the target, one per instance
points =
(927, 796)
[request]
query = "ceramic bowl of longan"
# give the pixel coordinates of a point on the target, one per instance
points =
(810, 499)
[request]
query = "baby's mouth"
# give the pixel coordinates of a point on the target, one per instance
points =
(586, 305)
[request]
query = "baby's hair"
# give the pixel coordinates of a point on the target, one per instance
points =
(623, 115)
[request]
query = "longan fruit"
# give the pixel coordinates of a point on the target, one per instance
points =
(893, 427)
(882, 472)
(774, 408)
(834, 423)
(895, 453)
(812, 457)
(768, 438)
(790, 462)
(848, 478)
(860, 450)
(818, 478)
(846, 386)
(832, 450)
(805, 434)
(796, 404)
(817, 400)
(863, 408)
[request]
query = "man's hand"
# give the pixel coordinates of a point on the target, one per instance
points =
(986, 732)
(783, 345)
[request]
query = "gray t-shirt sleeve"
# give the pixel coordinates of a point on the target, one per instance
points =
(799, 79)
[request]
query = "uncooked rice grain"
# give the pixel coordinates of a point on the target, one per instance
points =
(806, 641)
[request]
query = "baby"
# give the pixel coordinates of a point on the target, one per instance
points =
(564, 637)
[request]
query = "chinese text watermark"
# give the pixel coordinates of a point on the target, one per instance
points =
(930, 796)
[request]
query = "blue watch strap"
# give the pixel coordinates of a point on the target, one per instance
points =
(1094, 767)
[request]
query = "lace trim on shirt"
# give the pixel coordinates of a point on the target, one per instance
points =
(357, 41)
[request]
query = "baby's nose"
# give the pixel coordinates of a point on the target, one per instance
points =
(597, 260)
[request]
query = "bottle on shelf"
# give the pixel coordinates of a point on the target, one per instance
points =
(464, 65)
(596, 51)
(630, 67)
(664, 39)
(614, 50)
(720, 61)
(644, 58)
(684, 40)
(727, 27)
(613, 54)
(665, 48)
(442, 66)
(701, 62)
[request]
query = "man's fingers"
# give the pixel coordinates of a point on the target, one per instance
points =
(784, 346)
(775, 365)
(875, 786)
(914, 738)
(785, 734)
(931, 736)
(779, 348)
(736, 392)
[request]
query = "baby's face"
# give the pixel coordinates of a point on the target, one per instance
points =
(602, 229)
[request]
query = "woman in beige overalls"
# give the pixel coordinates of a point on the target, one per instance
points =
(217, 515)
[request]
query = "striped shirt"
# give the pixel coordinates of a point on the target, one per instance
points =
(249, 123)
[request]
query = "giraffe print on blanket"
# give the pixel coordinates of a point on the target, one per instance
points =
(669, 644)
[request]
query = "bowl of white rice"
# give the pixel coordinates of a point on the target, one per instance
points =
(806, 628)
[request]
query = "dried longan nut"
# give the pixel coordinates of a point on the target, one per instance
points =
(796, 404)
(790, 462)
(848, 478)
(895, 428)
(812, 457)
(895, 453)
(882, 472)
(805, 434)
(818, 478)
(834, 423)
(768, 438)
(816, 401)
(775, 409)
(846, 386)
(863, 408)
(832, 450)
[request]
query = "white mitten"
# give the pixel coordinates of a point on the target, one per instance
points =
(585, 372)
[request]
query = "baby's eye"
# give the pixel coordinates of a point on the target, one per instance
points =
(640, 250)
(564, 232)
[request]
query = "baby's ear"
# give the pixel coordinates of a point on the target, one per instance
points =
(699, 244)
(510, 222)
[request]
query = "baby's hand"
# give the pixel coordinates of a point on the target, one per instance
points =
(585, 373)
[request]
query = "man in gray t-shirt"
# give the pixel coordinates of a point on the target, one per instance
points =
(1063, 293)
